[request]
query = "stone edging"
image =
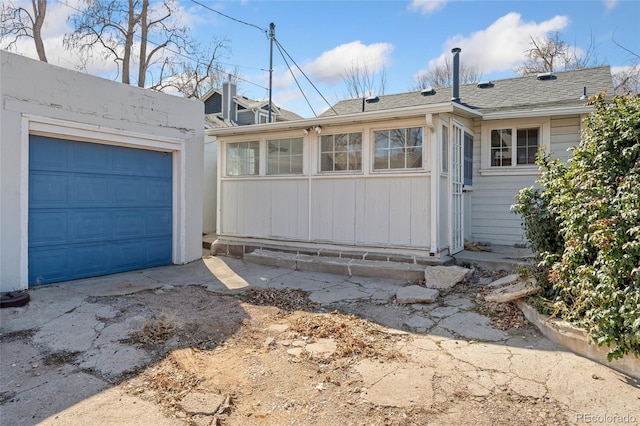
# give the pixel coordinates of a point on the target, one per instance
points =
(576, 340)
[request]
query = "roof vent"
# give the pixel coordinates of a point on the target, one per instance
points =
(372, 99)
(546, 76)
(485, 85)
(428, 91)
(584, 93)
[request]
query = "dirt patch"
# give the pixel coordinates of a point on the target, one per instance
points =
(58, 359)
(240, 360)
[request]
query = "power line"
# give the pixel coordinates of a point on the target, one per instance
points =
(305, 76)
(265, 31)
(294, 77)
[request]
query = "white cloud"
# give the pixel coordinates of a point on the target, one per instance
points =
(501, 46)
(610, 4)
(331, 65)
(426, 7)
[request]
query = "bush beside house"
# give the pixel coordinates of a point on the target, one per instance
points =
(584, 222)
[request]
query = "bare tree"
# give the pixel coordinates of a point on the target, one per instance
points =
(627, 81)
(123, 32)
(442, 76)
(550, 53)
(17, 22)
(195, 78)
(360, 81)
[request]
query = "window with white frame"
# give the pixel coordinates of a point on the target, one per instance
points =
(341, 152)
(243, 158)
(284, 156)
(507, 150)
(445, 149)
(397, 148)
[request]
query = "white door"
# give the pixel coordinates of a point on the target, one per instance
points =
(457, 202)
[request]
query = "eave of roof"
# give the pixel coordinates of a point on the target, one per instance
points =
(362, 117)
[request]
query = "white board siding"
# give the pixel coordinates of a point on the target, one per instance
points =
(390, 211)
(493, 196)
(565, 133)
(265, 208)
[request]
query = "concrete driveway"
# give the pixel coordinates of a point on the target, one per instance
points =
(63, 354)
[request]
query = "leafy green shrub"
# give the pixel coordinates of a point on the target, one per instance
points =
(593, 205)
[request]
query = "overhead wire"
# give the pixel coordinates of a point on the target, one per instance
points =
(264, 30)
(281, 48)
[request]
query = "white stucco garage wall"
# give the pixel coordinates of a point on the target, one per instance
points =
(43, 99)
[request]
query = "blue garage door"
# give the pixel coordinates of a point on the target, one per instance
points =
(96, 209)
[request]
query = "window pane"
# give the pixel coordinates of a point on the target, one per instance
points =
(445, 149)
(501, 147)
(528, 142)
(243, 158)
(381, 139)
(326, 143)
(284, 156)
(344, 154)
(398, 149)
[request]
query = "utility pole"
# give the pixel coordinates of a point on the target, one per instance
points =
(272, 36)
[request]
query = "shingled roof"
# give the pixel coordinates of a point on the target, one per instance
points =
(563, 89)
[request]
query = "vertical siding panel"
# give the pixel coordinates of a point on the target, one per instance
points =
(322, 205)
(344, 210)
(229, 199)
(420, 217)
(360, 211)
(400, 213)
(377, 211)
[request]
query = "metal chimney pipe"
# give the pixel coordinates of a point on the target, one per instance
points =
(456, 74)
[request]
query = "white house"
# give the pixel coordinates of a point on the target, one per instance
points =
(96, 177)
(225, 108)
(417, 172)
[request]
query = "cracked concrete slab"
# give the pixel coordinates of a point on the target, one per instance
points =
(472, 325)
(453, 341)
(445, 277)
(415, 294)
(411, 383)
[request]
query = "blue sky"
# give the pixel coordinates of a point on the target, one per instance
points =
(403, 37)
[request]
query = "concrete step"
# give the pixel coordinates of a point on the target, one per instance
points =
(338, 265)
(496, 258)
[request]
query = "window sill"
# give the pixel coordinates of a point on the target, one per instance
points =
(511, 171)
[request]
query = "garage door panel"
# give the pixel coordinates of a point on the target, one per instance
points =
(158, 250)
(90, 191)
(139, 164)
(157, 222)
(128, 254)
(47, 156)
(48, 228)
(89, 225)
(46, 265)
(89, 260)
(48, 189)
(129, 224)
(158, 192)
(129, 191)
(89, 157)
(96, 209)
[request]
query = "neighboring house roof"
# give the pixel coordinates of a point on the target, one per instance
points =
(215, 120)
(214, 100)
(519, 93)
